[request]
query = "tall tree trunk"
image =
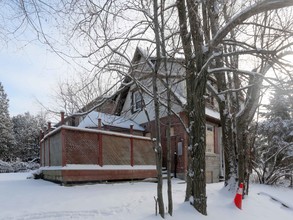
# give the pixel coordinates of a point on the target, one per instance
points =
(227, 135)
(169, 155)
(197, 112)
(225, 117)
(169, 109)
(158, 149)
(196, 88)
(190, 70)
(198, 138)
(157, 112)
(243, 119)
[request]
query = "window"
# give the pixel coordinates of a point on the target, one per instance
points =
(153, 61)
(210, 128)
(172, 133)
(210, 99)
(137, 101)
(210, 142)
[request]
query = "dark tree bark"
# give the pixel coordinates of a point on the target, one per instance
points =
(196, 87)
(169, 154)
(190, 69)
(158, 147)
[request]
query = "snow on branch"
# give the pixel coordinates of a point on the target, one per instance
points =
(214, 91)
(253, 51)
(226, 69)
(235, 90)
(259, 7)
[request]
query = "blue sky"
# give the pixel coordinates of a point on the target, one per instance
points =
(28, 70)
(29, 74)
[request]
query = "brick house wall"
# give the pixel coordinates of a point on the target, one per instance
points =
(179, 138)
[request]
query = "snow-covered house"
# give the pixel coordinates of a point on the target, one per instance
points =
(136, 103)
(132, 118)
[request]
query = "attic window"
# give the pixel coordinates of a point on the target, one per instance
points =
(137, 101)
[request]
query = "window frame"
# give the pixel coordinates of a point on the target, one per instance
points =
(136, 101)
(210, 130)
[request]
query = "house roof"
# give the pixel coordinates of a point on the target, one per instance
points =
(213, 114)
(91, 121)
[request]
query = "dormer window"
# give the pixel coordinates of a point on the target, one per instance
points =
(137, 101)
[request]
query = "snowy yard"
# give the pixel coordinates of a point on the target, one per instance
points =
(22, 198)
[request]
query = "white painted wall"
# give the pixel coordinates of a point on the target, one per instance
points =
(179, 89)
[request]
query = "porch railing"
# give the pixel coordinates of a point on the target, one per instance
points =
(70, 145)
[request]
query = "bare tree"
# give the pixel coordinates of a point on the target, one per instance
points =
(266, 58)
(73, 94)
(201, 46)
(112, 29)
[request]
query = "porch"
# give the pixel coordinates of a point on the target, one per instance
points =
(71, 154)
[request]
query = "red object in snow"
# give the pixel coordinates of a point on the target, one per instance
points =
(238, 197)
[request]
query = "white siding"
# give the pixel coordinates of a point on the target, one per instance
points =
(178, 89)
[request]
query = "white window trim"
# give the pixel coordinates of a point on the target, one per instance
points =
(136, 97)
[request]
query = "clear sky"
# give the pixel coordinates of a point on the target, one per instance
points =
(29, 73)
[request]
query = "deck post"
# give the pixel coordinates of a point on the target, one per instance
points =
(100, 145)
(63, 147)
(41, 135)
(131, 146)
(41, 148)
(99, 123)
(49, 144)
(45, 153)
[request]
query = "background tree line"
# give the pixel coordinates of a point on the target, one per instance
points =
(272, 149)
(19, 135)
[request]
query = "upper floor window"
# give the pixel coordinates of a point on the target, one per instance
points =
(210, 100)
(137, 101)
(172, 133)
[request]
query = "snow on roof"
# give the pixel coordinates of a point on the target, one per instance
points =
(180, 96)
(212, 113)
(91, 121)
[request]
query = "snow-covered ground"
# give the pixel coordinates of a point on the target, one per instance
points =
(22, 198)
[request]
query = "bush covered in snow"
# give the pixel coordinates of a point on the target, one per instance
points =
(5, 167)
(17, 166)
(37, 174)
